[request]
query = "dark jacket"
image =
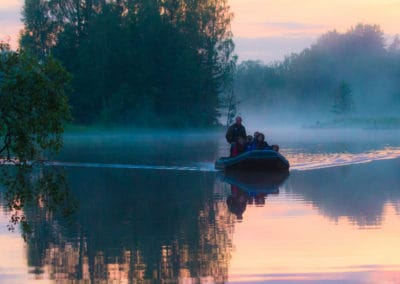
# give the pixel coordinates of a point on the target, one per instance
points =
(234, 132)
(261, 145)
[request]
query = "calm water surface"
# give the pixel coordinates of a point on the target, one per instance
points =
(151, 209)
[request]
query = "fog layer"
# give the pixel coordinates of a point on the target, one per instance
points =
(343, 79)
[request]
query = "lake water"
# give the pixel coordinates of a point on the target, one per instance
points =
(152, 209)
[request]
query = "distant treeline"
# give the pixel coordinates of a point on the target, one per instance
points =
(342, 73)
(142, 62)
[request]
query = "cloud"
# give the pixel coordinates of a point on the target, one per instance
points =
(254, 29)
(293, 26)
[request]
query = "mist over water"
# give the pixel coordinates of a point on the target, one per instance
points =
(305, 149)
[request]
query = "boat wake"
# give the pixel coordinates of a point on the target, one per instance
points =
(202, 167)
(308, 161)
(299, 161)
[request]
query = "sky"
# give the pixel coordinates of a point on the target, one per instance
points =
(267, 30)
(270, 29)
(10, 23)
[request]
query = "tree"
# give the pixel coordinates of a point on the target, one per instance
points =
(157, 57)
(230, 103)
(367, 38)
(45, 20)
(33, 110)
(395, 45)
(38, 27)
(343, 102)
(312, 81)
(33, 105)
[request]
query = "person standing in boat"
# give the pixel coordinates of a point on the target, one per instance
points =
(235, 133)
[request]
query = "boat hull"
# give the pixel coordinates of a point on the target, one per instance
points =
(256, 160)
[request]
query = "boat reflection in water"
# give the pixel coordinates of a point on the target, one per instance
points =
(251, 188)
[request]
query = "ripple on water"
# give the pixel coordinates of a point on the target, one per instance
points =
(312, 161)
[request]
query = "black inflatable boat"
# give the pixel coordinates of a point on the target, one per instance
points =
(256, 160)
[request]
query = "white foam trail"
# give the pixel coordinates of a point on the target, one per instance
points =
(303, 162)
(200, 168)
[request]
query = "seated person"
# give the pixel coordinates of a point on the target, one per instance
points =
(275, 148)
(250, 143)
(260, 143)
(255, 135)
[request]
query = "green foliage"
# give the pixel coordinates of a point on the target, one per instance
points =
(146, 63)
(229, 101)
(232, 105)
(40, 189)
(33, 110)
(343, 102)
(33, 105)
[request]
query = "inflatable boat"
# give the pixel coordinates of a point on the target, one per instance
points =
(256, 160)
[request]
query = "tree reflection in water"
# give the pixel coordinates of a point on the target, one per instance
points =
(155, 226)
(359, 192)
(138, 226)
(32, 193)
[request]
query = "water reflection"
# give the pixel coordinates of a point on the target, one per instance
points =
(332, 225)
(358, 192)
(164, 226)
(251, 188)
(137, 226)
(133, 148)
(34, 192)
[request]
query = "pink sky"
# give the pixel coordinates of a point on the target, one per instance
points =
(270, 29)
(10, 23)
(266, 18)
